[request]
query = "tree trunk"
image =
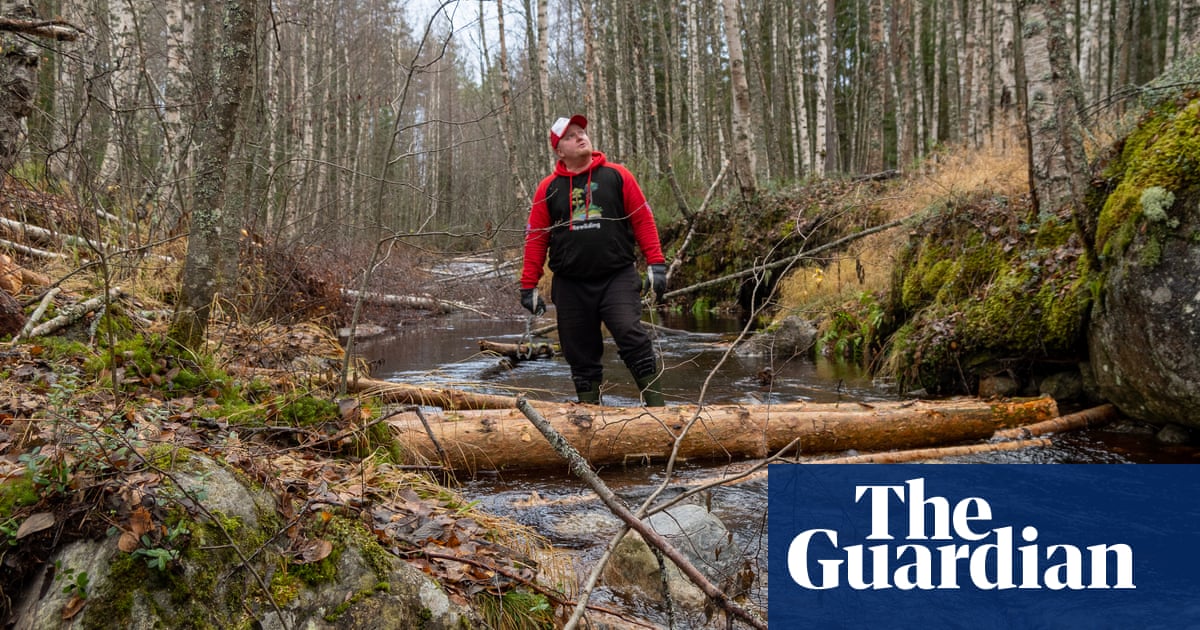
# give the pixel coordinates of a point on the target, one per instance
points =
(503, 439)
(1057, 158)
(18, 67)
(743, 135)
(12, 316)
(201, 274)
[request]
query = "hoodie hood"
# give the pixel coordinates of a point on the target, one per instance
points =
(598, 160)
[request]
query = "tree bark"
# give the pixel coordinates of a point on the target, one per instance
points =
(202, 279)
(1086, 418)
(743, 135)
(12, 316)
(452, 399)
(18, 67)
(502, 439)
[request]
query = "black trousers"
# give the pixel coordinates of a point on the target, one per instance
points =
(615, 301)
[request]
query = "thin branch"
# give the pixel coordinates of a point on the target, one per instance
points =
(581, 469)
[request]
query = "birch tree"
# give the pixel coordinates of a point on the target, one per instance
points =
(743, 135)
(1057, 162)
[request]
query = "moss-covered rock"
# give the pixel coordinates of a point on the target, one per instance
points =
(978, 290)
(1145, 336)
(229, 570)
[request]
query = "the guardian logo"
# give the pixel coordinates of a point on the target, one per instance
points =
(925, 542)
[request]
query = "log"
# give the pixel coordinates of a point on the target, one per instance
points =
(1079, 420)
(452, 399)
(503, 439)
(12, 316)
(411, 301)
(516, 352)
(941, 452)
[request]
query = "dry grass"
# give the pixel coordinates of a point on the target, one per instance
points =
(867, 264)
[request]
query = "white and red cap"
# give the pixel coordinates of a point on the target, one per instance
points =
(560, 127)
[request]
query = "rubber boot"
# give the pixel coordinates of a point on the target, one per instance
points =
(588, 392)
(649, 386)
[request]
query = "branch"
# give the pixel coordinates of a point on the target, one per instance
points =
(59, 29)
(789, 260)
(581, 469)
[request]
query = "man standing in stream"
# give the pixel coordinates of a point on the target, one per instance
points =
(589, 215)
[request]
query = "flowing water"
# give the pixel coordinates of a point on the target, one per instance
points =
(445, 352)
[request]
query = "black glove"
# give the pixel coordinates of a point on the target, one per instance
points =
(657, 275)
(532, 301)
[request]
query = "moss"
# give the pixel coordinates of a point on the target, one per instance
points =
(62, 349)
(167, 456)
(112, 607)
(17, 492)
(965, 295)
(306, 411)
(1163, 153)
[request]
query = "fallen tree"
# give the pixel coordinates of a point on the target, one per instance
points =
(503, 439)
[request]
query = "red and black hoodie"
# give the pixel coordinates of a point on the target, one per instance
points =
(589, 222)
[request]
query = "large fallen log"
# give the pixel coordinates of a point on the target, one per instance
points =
(503, 439)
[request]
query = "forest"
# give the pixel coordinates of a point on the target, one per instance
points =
(196, 196)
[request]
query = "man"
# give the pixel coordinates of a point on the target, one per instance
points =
(589, 215)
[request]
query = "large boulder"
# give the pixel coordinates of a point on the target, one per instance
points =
(1144, 338)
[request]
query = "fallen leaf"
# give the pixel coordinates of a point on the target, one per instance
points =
(140, 521)
(35, 523)
(127, 542)
(316, 551)
(73, 606)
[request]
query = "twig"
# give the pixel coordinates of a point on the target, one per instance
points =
(429, 431)
(581, 469)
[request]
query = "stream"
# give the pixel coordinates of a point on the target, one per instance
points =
(444, 352)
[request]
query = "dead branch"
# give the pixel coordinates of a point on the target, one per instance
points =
(412, 301)
(74, 313)
(37, 314)
(430, 396)
(759, 269)
(58, 29)
(692, 221)
(581, 469)
(30, 251)
(517, 352)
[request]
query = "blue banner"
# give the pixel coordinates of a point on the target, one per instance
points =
(984, 546)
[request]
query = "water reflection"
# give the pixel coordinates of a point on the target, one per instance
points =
(694, 353)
